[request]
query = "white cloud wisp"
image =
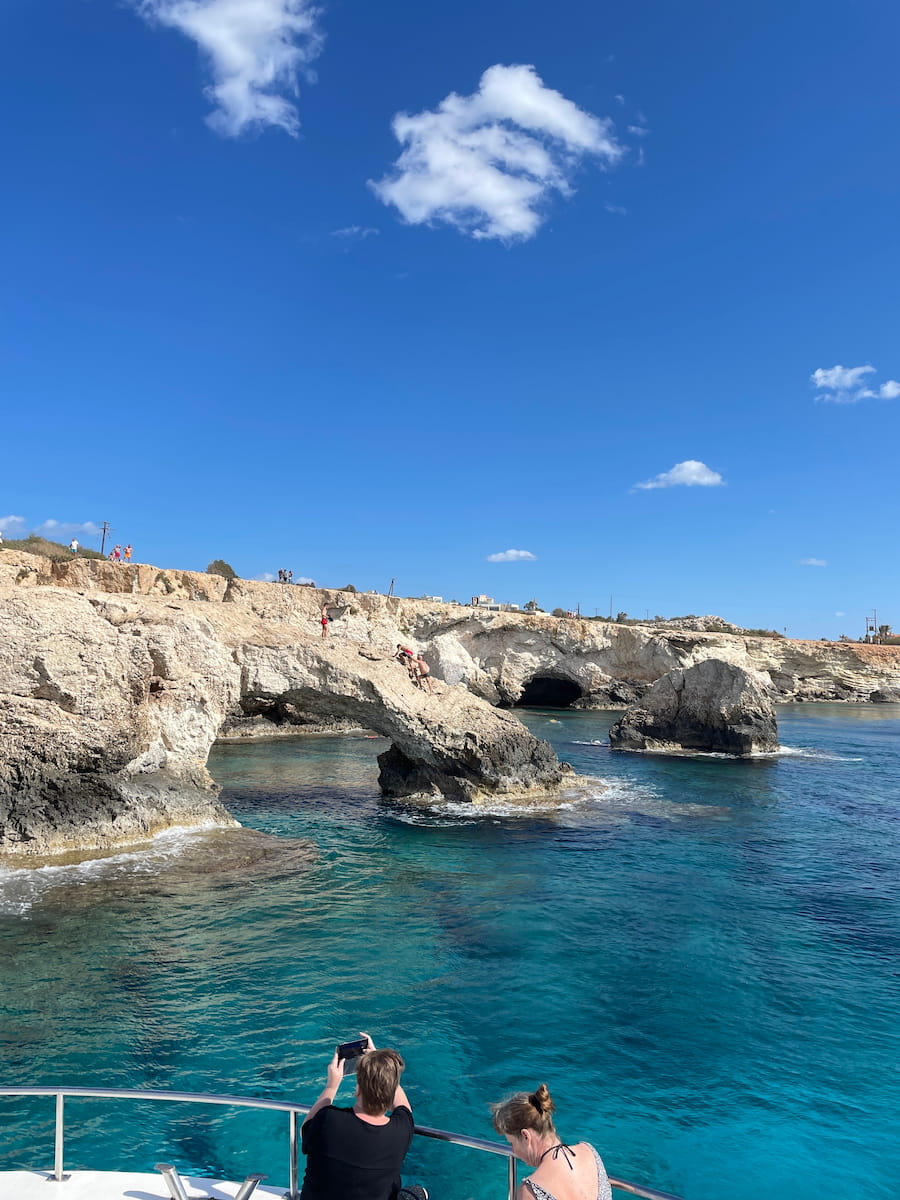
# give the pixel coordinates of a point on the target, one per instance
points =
(256, 49)
(11, 525)
(355, 231)
(487, 163)
(814, 562)
(62, 529)
(684, 474)
(512, 556)
(845, 385)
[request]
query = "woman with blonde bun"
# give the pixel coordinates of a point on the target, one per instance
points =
(561, 1172)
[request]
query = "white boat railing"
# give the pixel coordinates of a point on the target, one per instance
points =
(293, 1111)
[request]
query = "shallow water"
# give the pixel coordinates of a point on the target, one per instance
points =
(701, 960)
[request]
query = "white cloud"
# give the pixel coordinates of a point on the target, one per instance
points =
(840, 614)
(844, 385)
(64, 529)
(355, 231)
(10, 525)
(256, 49)
(488, 163)
(512, 556)
(266, 577)
(839, 379)
(813, 562)
(616, 208)
(685, 474)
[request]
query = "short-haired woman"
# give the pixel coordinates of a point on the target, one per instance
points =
(562, 1172)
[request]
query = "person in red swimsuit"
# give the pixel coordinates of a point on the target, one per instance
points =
(324, 621)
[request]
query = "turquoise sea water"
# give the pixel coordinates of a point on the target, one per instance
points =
(703, 962)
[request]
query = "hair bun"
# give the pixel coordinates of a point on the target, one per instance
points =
(542, 1100)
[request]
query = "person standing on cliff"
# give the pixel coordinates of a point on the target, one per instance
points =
(423, 675)
(73, 545)
(128, 552)
(324, 621)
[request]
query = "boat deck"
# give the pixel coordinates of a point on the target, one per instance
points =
(118, 1185)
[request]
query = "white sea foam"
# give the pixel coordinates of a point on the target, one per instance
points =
(608, 801)
(461, 812)
(22, 887)
(818, 755)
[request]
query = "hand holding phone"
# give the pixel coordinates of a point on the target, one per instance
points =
(349, 1054)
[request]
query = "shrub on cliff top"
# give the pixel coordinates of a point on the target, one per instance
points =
(47, 549)
(218, 566)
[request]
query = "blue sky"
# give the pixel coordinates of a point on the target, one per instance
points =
(242, 319)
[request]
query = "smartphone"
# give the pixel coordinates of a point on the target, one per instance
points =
(349, 1053)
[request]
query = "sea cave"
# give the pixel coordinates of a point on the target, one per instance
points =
(545, 691)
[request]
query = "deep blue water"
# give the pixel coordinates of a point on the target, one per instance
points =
(702, 961)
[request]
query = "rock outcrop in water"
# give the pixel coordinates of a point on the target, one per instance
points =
(117, 678)
(112, 702)
(714, 707)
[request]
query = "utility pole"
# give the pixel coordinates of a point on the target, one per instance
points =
(872, 626)
(610, 605)
(391, 588)
(105, 528)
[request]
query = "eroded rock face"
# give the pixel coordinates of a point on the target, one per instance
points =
(450, 743)
(115, 679)
(106, 721)
(111, 703)
(714, 707)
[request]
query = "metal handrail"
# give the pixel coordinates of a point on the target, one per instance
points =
(293, 1193)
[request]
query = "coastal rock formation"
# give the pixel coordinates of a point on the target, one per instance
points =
(500, 655)
(452, 744)
(886, 695)
(112, 702)
(117, 678)
(714, 706)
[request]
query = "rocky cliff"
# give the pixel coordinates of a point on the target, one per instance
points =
(116, 679)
